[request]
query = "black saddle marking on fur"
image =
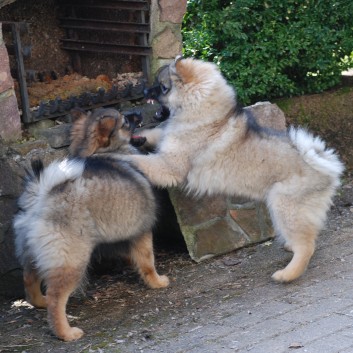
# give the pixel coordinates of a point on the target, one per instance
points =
(106, 166)
(37, 167)
(33, 173)
(238, 109)
(252, 124)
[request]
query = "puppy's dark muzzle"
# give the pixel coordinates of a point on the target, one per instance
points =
(152, 93)
(133, 119)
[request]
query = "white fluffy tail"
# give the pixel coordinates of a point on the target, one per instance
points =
(59, 172)
(41, 181)
(315, 153)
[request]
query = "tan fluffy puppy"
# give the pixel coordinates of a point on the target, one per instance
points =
(210, 145)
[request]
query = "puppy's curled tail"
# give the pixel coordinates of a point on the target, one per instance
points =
(315, 153)
(40, 181)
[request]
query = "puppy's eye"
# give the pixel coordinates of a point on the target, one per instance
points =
(164, 88)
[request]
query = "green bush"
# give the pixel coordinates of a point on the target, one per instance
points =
(272, 48)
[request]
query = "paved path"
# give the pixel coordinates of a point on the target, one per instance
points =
(250, 313)
(313, 315)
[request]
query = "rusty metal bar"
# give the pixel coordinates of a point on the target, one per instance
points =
(143, 40)
(96, 47)
(103, 25)
(7, 26)
(110, 5)
(26, 50)
(72, 34)
(26, 114)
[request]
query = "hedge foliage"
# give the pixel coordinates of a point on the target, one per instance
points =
(272, 48)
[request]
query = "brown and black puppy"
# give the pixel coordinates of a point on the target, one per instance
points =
(71, 206)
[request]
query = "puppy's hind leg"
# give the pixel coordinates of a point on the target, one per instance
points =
(32, 284)
(303, 248)
(292, 220)
(61, 283)
(142, 256)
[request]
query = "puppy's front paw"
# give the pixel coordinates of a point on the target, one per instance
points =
(158, 282)
(163, 281)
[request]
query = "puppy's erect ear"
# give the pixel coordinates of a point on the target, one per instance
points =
(78, 129)
(105, 127)
(177, 58)
(172, 66)
(181, 70)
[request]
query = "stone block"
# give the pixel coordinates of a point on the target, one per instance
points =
(214, 239)
(57, 136)
(255, 222)
(210, 227)
(194, 211)
(166, 44)
(13, 160)
(172, 11)
(268, 115)
(10, 188)
(10, 122)
(26, 147)
(6, 81)
(36, 128)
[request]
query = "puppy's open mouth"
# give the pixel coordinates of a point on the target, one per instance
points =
(162, 113)
(137, 140)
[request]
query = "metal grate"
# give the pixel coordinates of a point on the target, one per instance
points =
(75, 26)
(78, 27)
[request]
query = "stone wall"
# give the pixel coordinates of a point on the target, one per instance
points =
(10, 122)
(14, 158)
(165, 38)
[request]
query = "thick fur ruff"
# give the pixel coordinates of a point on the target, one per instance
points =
(70, 207)
(211, 145)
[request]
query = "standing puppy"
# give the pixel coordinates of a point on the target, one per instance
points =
(70, 207)
(210, 145)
